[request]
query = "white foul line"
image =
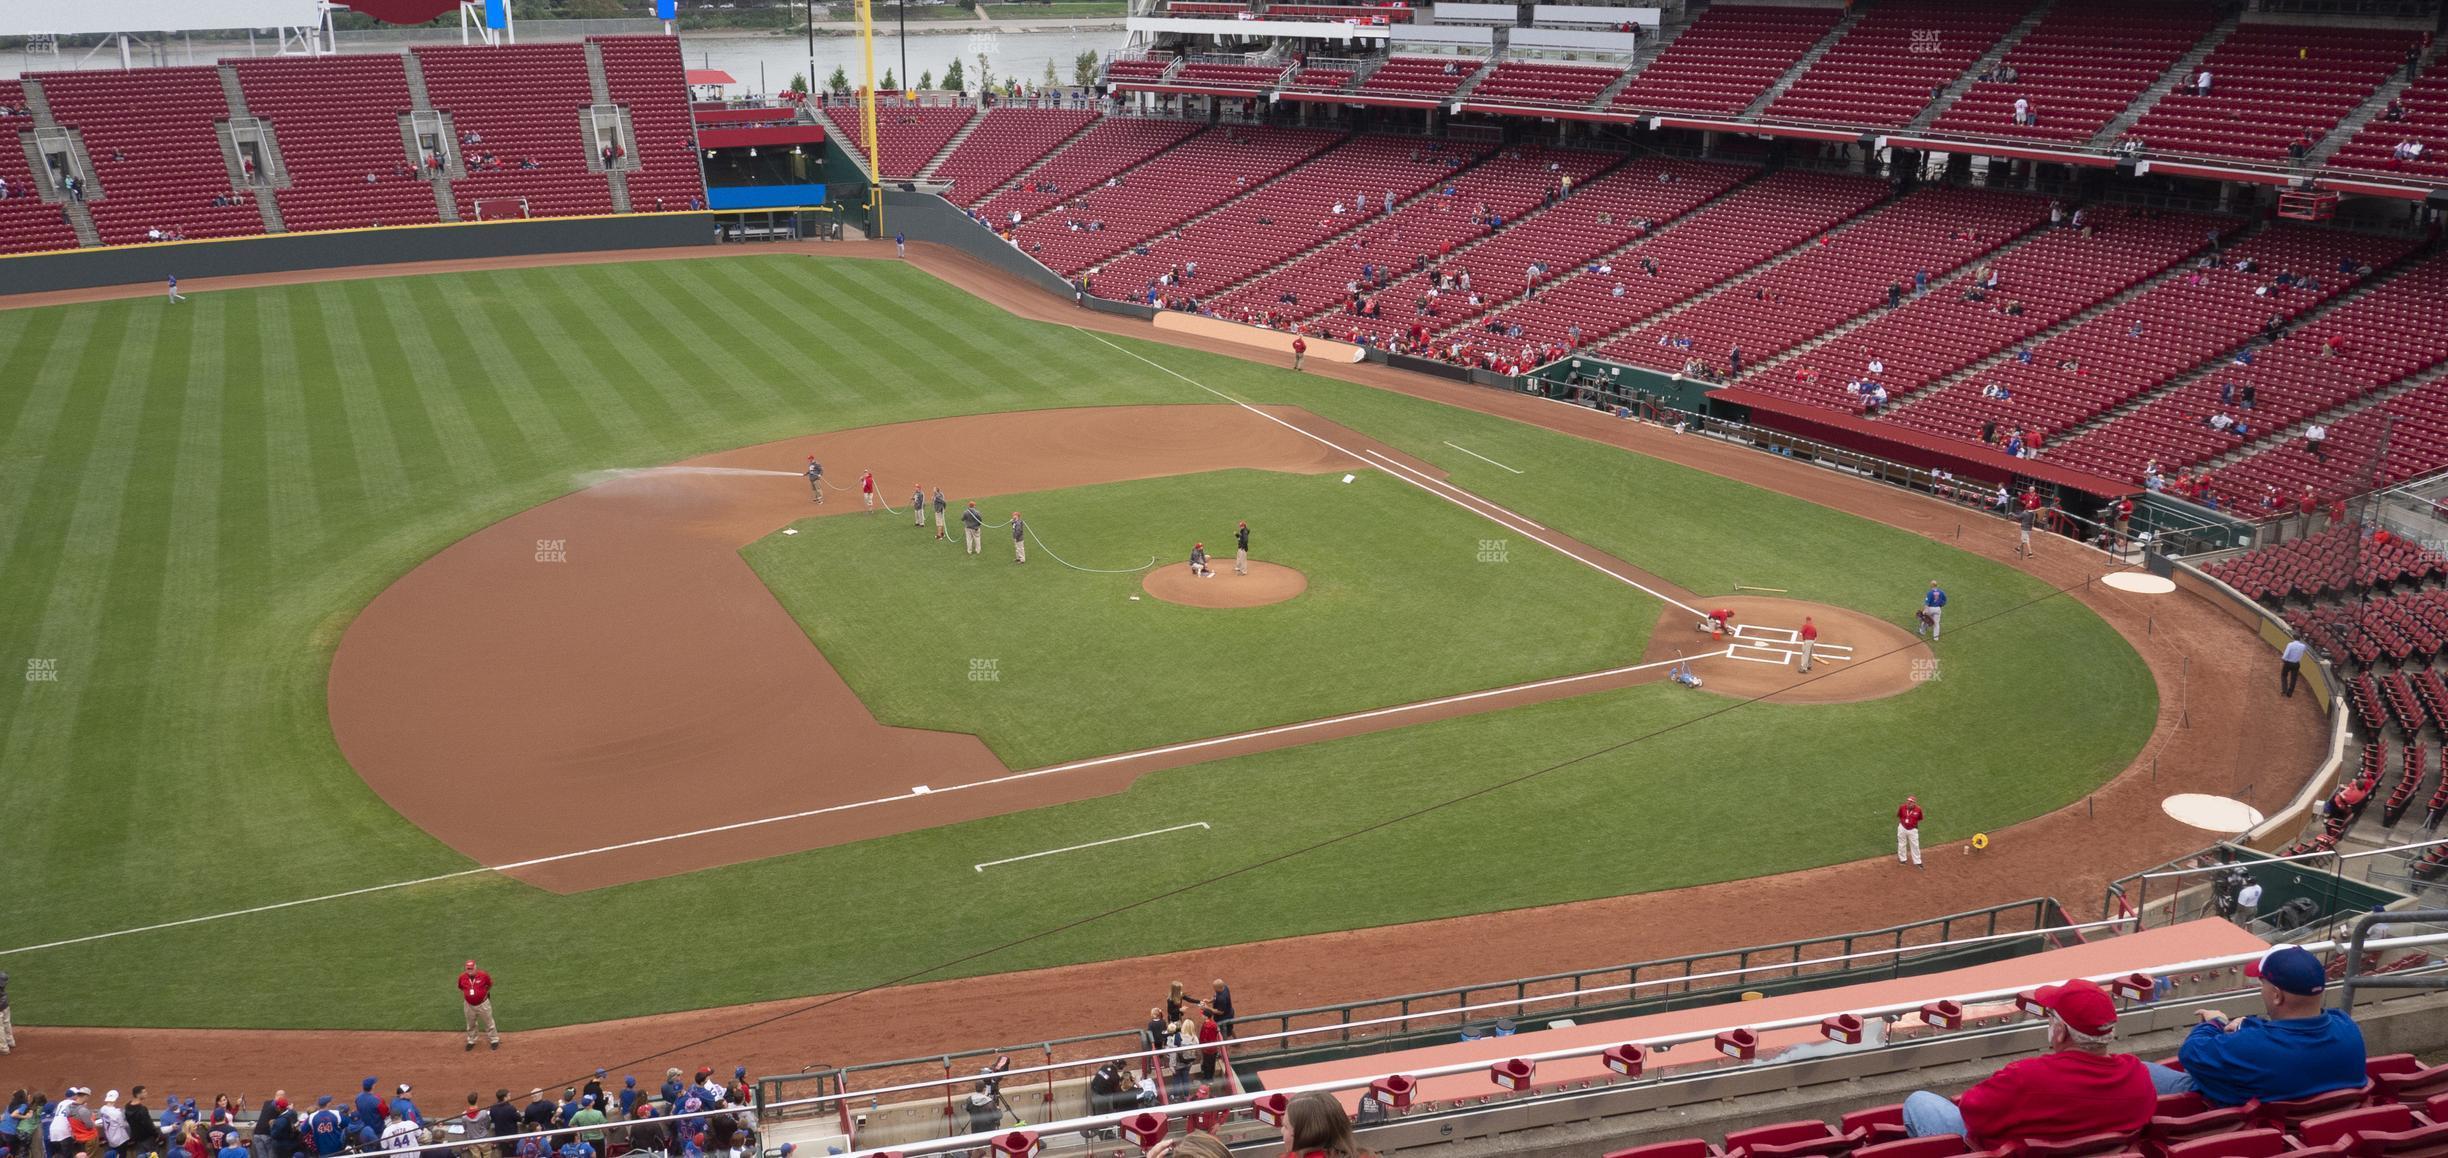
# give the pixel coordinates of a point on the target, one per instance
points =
(1481, 457)
(853, 805)
(1090, 844)
(1476, 505)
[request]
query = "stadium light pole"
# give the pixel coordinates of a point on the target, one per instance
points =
(811, 39)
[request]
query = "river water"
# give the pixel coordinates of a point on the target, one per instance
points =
(762, 63)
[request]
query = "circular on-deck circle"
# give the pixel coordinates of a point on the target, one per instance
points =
(2214, 813)
(1266, 583)
(2139, 582)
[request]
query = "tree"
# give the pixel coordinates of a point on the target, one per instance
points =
(594, 9)
(952, 77)
(840, 80)
(1052, 77)
(889, 83)
(926, 80)
(798, 83)
(1084, 69)
(986, 76)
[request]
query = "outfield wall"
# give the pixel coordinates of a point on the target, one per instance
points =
(76, 269)
(927, 217)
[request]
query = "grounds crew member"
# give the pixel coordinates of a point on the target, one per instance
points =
(476, 990)
(1241, 550)
(918, 506)
(815, 477)
(1810, 641)
(939, 514)
(1019, 539)
(1908, 831)
(973, 528)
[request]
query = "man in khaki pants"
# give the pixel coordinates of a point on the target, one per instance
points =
(8, 1029)
(1241, 550)
(1810, 641)
(973, 528)
(476, 990)
(1019, 539)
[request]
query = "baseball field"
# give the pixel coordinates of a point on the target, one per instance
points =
(355, 592)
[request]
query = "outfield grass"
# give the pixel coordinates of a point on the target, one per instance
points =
(202, 497)
(1399, 608)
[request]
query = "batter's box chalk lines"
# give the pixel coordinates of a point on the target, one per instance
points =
(1090, 844)
(1474, 504)
(914, 793)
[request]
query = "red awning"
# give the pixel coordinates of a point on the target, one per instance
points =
(402, 11)
(709, 76)
(1913, 447)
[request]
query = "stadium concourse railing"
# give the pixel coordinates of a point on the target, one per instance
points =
(1492, 1008)
(1737, 1057)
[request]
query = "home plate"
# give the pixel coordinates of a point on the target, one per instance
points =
(2214, 813)
(2139, 582)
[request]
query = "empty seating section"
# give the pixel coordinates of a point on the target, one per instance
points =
(2390, 332)
(2338, 561)
(155, 155)
(1362, 13)
(1107, 148)
(1420, 76)
(1200, 174)
(2052, 277)
(1753, 224)
(525, 103)
(1529, 82)
(908, 136)
(2270, 84)
(337, 121)
(2140, 345)
(1007, 141)
(1138, 68)
(1727, 58)
(27, 222)
(645, 75)
(2424, 119)
(1318, 79)
(1291, 214)
(1231, 76)
(2418, 444)
(2080, 68)
(1883, 72)
(1599, 217)
(1933, 229)
(1440, 222)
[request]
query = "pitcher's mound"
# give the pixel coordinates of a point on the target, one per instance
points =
(1266, 583)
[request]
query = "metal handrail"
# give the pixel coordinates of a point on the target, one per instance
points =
(2041, 910)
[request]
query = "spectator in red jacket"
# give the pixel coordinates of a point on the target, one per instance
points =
(1209, 1052)
(2076, 1089)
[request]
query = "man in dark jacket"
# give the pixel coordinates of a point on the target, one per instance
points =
(542, 1113)
(144, 1135)
(1222, 1006)
(504, 1116)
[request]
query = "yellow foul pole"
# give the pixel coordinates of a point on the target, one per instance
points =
(867, 115)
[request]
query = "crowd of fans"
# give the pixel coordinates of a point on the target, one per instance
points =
(609, 1122)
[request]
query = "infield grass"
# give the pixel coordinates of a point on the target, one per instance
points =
(1400, 607)
(201, 497)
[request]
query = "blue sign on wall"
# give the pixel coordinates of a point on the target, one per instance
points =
(497, 13)
(764, 196)
(664, 9)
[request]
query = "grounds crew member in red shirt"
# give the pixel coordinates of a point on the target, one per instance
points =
(1300, 348)
(1908, 831)
(2076, 1089)
(476, 989)
(1810, 641)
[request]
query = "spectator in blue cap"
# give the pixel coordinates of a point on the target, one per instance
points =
(2298, 1050)
(628, 1096)
(369, 1106)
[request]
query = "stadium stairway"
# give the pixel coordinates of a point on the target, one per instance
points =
(1326, 243)
(1988, 60)
(1803, 63)
(926, 172)
(2179, 383)
(2180, 72)
(445, 205)
(614, 173)
(1631, 251)
(2369, 110)
(1937, 280)
(1991, 363)
(1475, 79)
(2330, 417)
(80, 218)
(1027, 167)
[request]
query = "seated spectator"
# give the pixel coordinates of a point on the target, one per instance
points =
(2396, 110)
(2297, 1050)
(2076, 1089)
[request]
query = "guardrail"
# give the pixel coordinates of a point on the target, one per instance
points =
(1396, 1021)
